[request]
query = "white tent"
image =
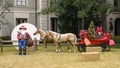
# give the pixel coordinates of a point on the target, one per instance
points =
(30, 29)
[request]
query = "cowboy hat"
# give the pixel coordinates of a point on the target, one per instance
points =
(23, 27)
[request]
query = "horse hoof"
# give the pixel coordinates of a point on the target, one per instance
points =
(59, 50)
(74, 51)
(69, 50)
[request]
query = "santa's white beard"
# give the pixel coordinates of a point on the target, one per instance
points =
(23, 32)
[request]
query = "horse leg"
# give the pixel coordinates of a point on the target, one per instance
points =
(57, 46)
(69, 48)
(73, 46)
(45, 44)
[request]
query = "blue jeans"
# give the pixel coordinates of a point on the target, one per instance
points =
(22, 44)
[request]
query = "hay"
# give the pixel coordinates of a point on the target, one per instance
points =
(90, 56)
(93, 49)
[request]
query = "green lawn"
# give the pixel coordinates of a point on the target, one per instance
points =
(51, 59)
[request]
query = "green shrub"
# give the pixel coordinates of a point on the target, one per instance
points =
(116, 38)
(5, 38)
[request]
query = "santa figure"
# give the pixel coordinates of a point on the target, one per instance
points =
(22, 40)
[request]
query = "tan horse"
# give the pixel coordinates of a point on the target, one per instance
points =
(43, 39)
(59, 38)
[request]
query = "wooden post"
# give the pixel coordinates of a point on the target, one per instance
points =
(1, 45)
(35, 44)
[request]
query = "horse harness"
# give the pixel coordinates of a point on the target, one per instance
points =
(58, 36)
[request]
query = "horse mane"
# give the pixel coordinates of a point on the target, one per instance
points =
(54, 32)
(42, 32)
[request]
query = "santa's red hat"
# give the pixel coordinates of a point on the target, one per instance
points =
(22, 28)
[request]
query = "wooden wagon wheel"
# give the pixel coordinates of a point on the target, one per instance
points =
(105, 47)
(81, 47)
(108, 48)
(78, 47)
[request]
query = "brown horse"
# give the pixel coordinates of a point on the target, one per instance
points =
(43, 39)
(59, 38)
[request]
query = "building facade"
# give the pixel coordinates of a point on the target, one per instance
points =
(113, 19)
(27, 11)
(23, 11)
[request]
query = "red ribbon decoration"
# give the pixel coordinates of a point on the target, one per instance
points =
(83, 33)
(99, 30)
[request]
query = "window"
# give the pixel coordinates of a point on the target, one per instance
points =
(54, 24)
(20, 20)
(21, 2)
(116, 2)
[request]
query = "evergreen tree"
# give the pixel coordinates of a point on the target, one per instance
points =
(95, 10)
(66, 13)
(68, 19)
(69, 10)
(91, 30)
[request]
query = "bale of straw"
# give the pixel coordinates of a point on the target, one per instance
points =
(90, 56)
(93, 49)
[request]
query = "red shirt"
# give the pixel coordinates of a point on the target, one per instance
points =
(22, 37)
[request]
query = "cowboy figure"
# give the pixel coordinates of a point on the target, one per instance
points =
(22, 39)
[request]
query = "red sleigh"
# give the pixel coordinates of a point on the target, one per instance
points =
(103, 41)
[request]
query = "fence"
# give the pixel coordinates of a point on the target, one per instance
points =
(9, 41)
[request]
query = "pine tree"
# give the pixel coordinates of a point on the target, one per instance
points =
(91, 30)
